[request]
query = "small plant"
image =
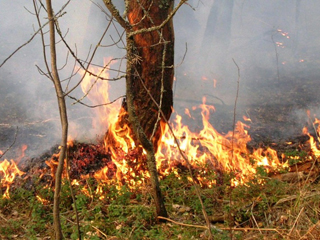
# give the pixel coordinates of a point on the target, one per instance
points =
(295, 156)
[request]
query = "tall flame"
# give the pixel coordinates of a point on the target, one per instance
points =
(227, 152)
(97, 90)
(208, 147)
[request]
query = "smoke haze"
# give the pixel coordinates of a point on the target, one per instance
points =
(275, 43)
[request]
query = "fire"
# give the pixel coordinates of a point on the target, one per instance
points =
(227, 153)
(8, 172)
(245, 118)
(205, 149)
(97, 91)
(313, 145)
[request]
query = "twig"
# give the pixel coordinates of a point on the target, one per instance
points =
(94, 106)
(295, 221)
(14, 141)
(229, 229)
(37, 11)
(115, 13)
(3, 218)
(183, 156)
(254, 219)
(310, 230)
(254, 229)
(6, 220)
(155, 28)
(162, 88)
(183, 224)
(105, 235)
(63, 119)
(232, 137)
(209, 95)
(73, 196)
(75, 57)
(293, 197)
(235, 108)
(59, 14)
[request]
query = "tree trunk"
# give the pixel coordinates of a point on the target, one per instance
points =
(153, 68)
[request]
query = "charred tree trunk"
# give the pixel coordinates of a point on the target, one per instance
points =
(152, 65)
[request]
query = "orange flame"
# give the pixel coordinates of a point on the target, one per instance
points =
(8, 172)
(97, 90)
(208, 147)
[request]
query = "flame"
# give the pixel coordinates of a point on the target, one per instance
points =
(123, 144)
(245, 118)
(313, 145)
(206, 149)
(97, 91)
(8, 172)
(226, 153)
(42, 200)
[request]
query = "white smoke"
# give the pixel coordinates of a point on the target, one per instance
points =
(215, 32)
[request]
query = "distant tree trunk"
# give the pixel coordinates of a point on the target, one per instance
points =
(217, 36)
(218, 28)
(153, 66)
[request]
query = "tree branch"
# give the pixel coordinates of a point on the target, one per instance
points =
(115, 13)
(59, 14)
(151, 29)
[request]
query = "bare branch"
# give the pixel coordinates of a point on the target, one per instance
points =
(37, 11)
(94, 106)
(194, 181)
(74, 55)
(115, 13)
(43, 73)
(151, 29)
(58, 15)
(234, 110)
(14, 141)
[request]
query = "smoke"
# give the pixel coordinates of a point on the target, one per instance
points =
(273, 42)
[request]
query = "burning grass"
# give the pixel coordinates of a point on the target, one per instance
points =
(248, 192)
(273, 210)
(264, 199)
(266, 206)
(114, 201)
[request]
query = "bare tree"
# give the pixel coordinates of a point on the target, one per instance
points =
(54, 76)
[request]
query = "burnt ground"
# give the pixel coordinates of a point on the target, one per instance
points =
(277, 110)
